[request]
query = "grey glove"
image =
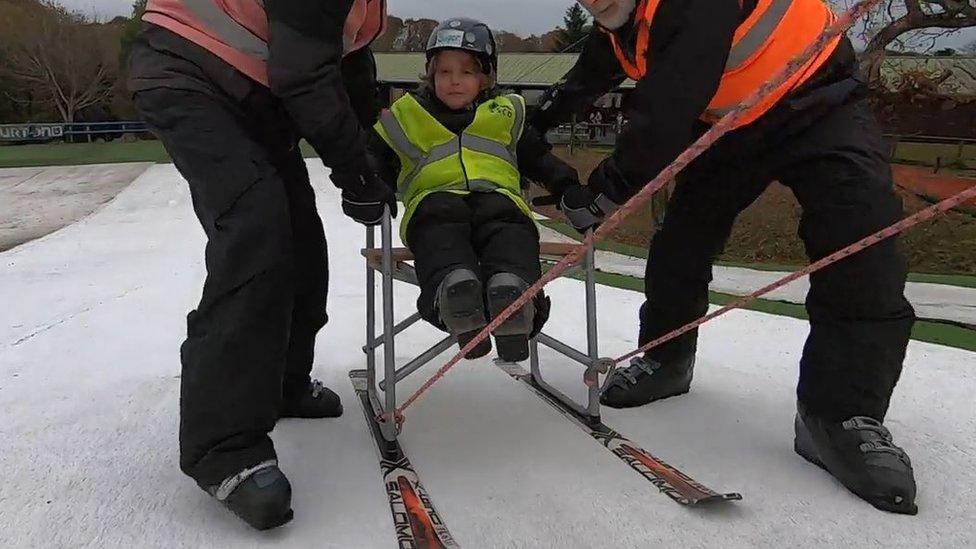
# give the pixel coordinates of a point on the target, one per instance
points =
(584, 209)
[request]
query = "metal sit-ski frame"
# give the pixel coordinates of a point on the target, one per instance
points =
(394, 264)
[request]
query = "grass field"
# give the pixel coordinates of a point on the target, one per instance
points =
(74, 154)
(965, 281)
(932, 154)
(950, 156)
(923, 330)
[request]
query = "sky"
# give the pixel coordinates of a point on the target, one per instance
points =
(522, 17)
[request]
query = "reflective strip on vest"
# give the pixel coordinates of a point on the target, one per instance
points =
(487, 146)
(230, 31)
(519, 125)
(758, 33)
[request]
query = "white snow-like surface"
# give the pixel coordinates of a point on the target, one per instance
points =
(931, 301)
(92, 318)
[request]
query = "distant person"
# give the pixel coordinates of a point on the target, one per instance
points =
(693, 61)
(471, 232)
(230, 87)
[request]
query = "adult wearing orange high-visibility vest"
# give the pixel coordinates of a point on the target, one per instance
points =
(693, 61)
(230, 86)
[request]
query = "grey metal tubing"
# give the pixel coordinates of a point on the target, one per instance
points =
(401, 326)
(563, 348)
(418, 362)
(534, 358)
(370, 317)
(388, 428)
(554, 392)
(593, 393)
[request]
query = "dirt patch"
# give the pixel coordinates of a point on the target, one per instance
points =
(909, 113)
(38, 201)
(766, 231)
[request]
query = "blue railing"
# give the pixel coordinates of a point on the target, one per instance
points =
(102, 128)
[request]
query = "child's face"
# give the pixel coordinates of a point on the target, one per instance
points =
(458, 78)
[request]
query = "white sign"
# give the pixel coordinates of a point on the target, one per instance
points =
(26, 132)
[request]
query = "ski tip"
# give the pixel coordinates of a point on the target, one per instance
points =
(717, 498)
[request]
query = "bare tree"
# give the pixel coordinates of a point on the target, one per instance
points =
(910, 25)
(59, 57)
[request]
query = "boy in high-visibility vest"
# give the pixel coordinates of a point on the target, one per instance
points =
(457, 150)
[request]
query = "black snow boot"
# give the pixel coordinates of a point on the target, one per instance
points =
(512, 337)
(859, 452)
(647, 380)
(312, 401)
(259, 495)
(461, 307)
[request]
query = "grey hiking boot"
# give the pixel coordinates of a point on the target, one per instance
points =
(461, 306)
(512, 337)
(315, 400)
(861, 454)
(647, 380)
(259, 495)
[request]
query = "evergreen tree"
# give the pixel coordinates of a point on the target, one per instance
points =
(576, 25)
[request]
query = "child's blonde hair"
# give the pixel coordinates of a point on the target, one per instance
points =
(427, 80)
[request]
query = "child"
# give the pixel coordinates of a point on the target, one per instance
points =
(457, 150)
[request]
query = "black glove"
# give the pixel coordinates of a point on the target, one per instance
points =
(364, 194)
(607, 179)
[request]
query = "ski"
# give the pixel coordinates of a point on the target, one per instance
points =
(668, 479)
(415, 520)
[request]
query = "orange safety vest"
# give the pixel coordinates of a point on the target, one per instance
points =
(773, 34)
(237, 30)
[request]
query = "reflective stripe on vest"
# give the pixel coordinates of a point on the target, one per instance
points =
(230, 31)
(774, 33)
(434, 159)
(237, 30)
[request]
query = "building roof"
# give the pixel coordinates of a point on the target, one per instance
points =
(541, 70)
(518, 70)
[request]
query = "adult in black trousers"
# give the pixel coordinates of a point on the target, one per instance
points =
(819, 139)
(250, 342)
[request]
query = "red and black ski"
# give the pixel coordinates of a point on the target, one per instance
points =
(666, 478)
(416, 521)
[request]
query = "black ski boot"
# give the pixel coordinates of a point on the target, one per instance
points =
(461, 306)
(647, 380)
(312, 401)
(259, 495)
(512, 337)
(860, 454)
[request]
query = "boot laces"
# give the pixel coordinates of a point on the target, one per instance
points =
(639, 367)
(317, 388)
(880, 439)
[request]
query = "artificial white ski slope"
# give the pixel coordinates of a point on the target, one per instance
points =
(91, 319)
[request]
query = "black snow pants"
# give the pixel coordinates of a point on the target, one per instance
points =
(252, 336)
(481, 231)
(827, 149)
